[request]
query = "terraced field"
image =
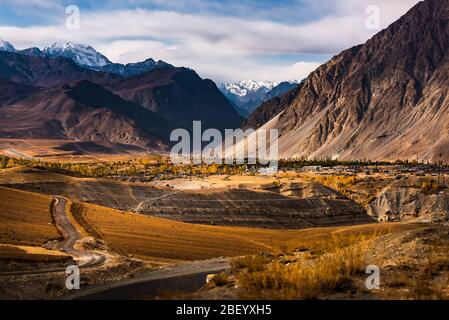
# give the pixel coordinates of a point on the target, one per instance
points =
(266, 202)
(244, 207)
(162, 240)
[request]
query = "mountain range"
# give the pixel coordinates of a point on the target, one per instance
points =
(88, 57)
(386, 99)
(54, 94)
(247, 95)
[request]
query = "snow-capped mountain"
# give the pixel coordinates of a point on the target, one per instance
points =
(246, 87)
(6, 46)
(88, 57)
(247, 95)
(81, 54)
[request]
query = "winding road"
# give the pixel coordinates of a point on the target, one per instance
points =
(183, 277)
(84, 258)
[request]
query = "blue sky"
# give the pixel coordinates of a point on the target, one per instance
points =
(225, 40)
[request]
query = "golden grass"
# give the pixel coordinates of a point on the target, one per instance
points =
(164, 240)
(335, 269)
(305, 279)
(308, 277)
(25, 218)
(30, 253)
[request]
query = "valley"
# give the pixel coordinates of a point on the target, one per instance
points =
(353, 184)
(173, 225)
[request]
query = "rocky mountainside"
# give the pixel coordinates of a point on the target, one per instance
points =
(248, 95)
(82, 111)
(181, 96)
(46, 72)
(385, 99)
(6, 46)
(269, 109)
(132, 69)
(87, 57)
(11, 92)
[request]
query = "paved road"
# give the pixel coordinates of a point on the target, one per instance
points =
(185, 277)
(85, 259)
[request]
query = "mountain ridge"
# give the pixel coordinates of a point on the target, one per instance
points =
(174, 96)
(87, 57)
(67, 112)
(378, 100)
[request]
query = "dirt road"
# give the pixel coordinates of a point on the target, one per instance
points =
(140, 205)
(84, 258)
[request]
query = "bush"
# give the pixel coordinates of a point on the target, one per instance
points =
(430, 186)
(251, 264)
(220, 280)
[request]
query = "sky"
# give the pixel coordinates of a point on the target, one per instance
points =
(224, 40)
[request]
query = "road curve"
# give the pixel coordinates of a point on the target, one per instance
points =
(84, 258)
(184, 277)
(87, 259)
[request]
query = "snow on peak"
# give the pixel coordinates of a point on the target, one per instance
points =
(6, 46)
(79, 53)
(245, 87)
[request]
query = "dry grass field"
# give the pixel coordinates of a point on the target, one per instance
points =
(25, 218)
(30, 254)
(246, 201)
(412, 260)
(161, 240)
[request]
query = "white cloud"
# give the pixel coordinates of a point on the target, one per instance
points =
(219, 47)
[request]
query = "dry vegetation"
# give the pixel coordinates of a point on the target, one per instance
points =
(305, 276)
(145, 169)
(25, 218)
(163, 240)
(413, 264)
(418, 265)
(362, 190)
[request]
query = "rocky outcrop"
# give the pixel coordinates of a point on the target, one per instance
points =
(270, 109)
(399, 203)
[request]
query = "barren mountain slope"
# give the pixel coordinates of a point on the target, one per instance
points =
(82, 111)
(180, 96)
(386, 99)
(11, 92)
